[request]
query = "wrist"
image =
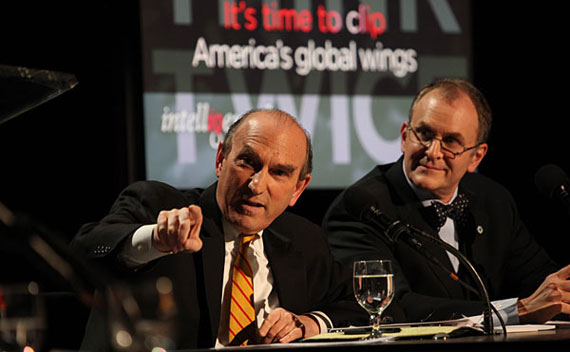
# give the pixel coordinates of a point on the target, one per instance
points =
(156, 244)
(312, 326)
(522, 310)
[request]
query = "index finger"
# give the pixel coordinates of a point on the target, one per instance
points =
(196, 214)
(193, 242)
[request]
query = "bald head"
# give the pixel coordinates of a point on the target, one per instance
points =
(279, 118)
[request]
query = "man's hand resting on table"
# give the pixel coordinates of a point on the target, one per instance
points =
(551, 298)
(283, 326)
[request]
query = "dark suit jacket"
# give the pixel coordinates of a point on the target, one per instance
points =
(304, 272)
(495, 240)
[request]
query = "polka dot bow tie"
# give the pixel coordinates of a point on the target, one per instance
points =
(439, 212)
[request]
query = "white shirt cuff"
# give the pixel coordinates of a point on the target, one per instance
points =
(323, 321)
(138, 249)
(508, 310)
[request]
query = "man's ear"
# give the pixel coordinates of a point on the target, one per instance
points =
(403, 135)
(477, 157)
(299, 188)
(220, 157)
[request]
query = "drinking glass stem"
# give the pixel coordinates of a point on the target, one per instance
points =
(375, 322)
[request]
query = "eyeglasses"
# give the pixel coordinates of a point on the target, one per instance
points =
(450, 146)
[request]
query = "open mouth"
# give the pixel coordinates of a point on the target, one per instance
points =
(249, 205)
(252, 204)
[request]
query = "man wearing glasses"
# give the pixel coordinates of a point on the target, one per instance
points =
(433, 187)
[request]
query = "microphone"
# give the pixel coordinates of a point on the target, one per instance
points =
(395, 230)
(392, 229)
(553, 182)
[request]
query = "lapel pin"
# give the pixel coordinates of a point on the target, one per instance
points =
(480, 229)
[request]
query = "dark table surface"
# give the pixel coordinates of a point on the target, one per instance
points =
(547, 340)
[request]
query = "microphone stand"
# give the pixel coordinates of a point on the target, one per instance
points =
(487, 315)
(395, 229)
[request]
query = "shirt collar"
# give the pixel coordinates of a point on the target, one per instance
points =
(424, 196)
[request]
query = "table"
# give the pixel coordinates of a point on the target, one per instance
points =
(548, 340)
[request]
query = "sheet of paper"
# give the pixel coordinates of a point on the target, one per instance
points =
(405, 332)
(466, 321)
(526, 328)
(561, 324)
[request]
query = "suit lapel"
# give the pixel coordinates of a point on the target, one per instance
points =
(473, 237)
(409, 207)
(286, 267)
(212, 255)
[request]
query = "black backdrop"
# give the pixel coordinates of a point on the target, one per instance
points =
(64, 162)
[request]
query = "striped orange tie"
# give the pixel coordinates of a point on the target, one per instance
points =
(242, 312)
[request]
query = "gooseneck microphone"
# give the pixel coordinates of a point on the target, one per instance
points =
(396, 231)
(393, 229)
(554, 183)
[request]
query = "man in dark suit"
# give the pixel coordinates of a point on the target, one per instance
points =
(443, 142)
(193, 237)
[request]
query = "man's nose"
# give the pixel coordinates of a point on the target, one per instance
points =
(258, 182)
(434, 150)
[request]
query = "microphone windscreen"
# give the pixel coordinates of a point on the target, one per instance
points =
(549, 178)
